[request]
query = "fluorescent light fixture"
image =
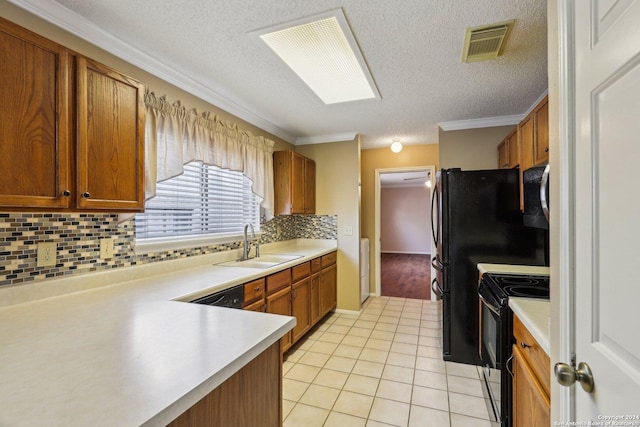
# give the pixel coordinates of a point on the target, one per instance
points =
(323, 52)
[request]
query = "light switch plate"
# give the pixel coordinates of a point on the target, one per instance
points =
(106, 248)
(47, 254)
(348, 230)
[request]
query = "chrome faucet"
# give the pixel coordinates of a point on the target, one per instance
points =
(246, 248)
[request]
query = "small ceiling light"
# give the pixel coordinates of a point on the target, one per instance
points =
(396, 147)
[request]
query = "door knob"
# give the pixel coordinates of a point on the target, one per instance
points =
(567, 375)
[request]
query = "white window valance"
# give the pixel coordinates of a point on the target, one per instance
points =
(176, 136)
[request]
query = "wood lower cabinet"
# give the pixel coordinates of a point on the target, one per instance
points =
(301, 307)
(250, 397)
(328, 284)
(280, 303)
(72, 135)
(306, 291)
(531, 380)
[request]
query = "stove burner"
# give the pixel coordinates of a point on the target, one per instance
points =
(504, 286)
(526, 291)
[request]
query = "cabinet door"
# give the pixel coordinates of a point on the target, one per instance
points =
(110, 139)
(34, 120)
(280, 303)
(503, 155)
(259, 305)
(314, 299)
(531, 406)
(300, 308)
(328, 291)
(514, 148)
(297, 183)
(309, 186)
(541, 142)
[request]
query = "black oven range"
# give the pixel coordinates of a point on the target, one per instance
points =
(496, 335)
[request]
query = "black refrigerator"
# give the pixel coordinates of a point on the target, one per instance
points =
(476, 219)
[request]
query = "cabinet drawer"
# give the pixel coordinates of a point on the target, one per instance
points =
(278, 280)
(253, 290)
(533, 353)
(301, 271)
(329, 259)
(316, 265)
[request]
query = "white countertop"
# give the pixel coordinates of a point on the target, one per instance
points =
(128, 352)
(534, 314)
(512, 269)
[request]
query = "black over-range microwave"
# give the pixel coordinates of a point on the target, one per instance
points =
(536, 197)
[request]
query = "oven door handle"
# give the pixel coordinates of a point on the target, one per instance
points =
(490, 306)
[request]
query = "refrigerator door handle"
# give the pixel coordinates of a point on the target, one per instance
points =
(436, 288)
(435, 263)
(544, 184)
(437, 221)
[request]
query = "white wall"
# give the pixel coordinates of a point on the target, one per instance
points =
(405, 222)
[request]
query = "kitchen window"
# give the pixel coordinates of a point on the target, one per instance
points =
(204, 205)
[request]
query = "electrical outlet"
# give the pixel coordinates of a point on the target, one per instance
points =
(348, 230)
(106, 248)
(46, 256)
(278, 231)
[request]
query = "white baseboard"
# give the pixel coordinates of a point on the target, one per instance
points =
(405, 253)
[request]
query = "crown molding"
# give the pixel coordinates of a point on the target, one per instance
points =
(491, 121)
(81, 27)
(322, 139)
(482, 123)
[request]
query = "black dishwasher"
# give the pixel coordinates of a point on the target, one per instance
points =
(232, 298)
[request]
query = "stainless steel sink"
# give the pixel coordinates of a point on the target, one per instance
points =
(263, 261)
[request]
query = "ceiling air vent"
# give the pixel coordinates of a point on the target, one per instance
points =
(485, 42)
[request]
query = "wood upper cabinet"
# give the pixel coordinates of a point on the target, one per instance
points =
(72, 135)
(503, 154)
(531, 380)
(541, 140)
(35, 118)
(110, 139)
(294, 182)
(509, 151)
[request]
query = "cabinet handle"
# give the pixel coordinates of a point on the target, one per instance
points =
(256, 289)
(505, 165)
(546, 150)
(66, 193)
(523, 345)
(86, 195)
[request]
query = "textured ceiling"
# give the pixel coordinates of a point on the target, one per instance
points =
(413, 49)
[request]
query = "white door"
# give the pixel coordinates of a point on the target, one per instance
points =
(607, 207)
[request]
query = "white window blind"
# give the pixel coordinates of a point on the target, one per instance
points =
(204, 200)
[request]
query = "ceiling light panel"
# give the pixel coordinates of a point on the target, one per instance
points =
(322, 51)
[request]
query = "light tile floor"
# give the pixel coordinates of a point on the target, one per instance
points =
(383, 367)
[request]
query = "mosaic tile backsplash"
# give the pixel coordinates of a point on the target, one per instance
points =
(78, 242)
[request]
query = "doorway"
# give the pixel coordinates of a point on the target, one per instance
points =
(403, 232)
